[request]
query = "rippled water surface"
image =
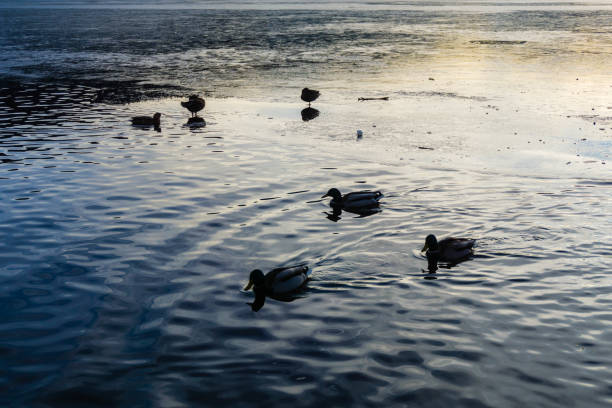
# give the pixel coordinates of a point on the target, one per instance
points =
(124, 250)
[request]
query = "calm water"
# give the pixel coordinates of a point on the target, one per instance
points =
(124, 250)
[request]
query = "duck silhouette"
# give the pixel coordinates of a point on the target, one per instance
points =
(309, 95)
(279, 284)
(336, 213)
(146, 120)
(356, 202)
(448, 250)
(194, 105)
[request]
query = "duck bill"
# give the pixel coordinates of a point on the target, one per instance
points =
(325, 195)
(424, 248)
(249, 285)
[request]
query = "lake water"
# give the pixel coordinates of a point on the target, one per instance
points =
(124, 250)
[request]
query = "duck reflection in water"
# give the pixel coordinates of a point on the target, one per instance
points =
(336, 213)
(309, 113)
(279, 284)
(196, 121)
(448, 251)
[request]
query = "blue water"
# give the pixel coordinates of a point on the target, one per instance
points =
(124, 250)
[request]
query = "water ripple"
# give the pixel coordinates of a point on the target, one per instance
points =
(125, 250)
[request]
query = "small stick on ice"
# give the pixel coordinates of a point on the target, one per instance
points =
(384, 98)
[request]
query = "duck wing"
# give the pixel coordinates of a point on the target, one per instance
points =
(361, 204)
(309, 95)
(455, 249)
(194, 105)
(287, 279)
(457, 243)
(358, 195)
(361, 199)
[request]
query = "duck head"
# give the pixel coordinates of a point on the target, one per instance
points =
(431, 243)
(255, 278)
(333, 193)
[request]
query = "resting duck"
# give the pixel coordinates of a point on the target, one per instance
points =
(146, 120)
(448, 250)
(194, 104)
(309, 95)
(358, 200)
(276, 283)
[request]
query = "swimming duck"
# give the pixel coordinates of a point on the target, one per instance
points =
(448, 250)
(194, 104)
(146, 120)
(353, 201)
(309, 95)
(278, 281)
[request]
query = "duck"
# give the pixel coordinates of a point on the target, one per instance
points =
(309, 95)
(355, 201)
(448, 250)
(279, 281)
(194, 105)
(146, 120)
